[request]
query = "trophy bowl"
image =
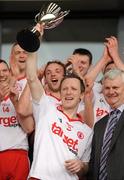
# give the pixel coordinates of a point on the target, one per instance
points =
(51, 15)
(28, 41)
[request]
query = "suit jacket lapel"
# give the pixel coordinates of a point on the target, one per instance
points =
(117, 131)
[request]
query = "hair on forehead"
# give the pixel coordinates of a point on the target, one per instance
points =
(113, 74)
(109, 63)
(3, 61)
(13, 47)
(74, 76)
(55, 62)
(82, 51)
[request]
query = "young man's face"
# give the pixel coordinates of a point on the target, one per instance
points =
(113, 91)
(54, 73)
(4, 73)
(109, 67)
(82, 64)
(20, 56)
(70, 93)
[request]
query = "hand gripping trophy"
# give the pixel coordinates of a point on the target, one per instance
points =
(51, 15)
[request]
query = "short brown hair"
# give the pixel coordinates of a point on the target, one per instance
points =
(54, 62)
(73, 75)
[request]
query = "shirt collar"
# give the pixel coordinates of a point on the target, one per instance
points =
(79, 117)
(121, 108)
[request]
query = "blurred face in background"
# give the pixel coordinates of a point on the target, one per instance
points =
(19, 55)
(4, 73)
(109, 67)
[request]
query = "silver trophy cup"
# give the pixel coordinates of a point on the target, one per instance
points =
(51, 15)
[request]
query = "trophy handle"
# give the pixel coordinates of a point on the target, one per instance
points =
(55, 22)
(47, 13)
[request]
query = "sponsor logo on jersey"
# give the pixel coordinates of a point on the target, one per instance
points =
(71, 143)
(9, 121)
(101, 112)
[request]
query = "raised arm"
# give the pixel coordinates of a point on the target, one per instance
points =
(24, 106)
(27, 121)
(93, 73)
(32, 78)
(35, 85)
(24, 109)
(88, 104)
(112, 44)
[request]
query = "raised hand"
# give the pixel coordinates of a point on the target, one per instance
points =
(112, 44)
(14, 93)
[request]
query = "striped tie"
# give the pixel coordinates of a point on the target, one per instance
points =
(114, 116)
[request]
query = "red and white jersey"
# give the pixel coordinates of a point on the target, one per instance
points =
(97, 87)
(12, 135)
(57, 139)
(56, 101)
(101, 107)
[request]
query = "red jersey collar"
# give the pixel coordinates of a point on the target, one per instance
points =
(6, 98)
(20, 78)
(79, 117)
(49, 94)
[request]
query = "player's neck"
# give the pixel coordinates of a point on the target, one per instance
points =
(55, 94)
(71, 113)
(21, 74)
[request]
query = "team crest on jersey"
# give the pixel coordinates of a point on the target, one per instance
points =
(80, 135)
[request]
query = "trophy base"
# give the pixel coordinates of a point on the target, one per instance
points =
(28, 40)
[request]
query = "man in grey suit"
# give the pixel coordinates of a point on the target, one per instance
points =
(107, 156)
